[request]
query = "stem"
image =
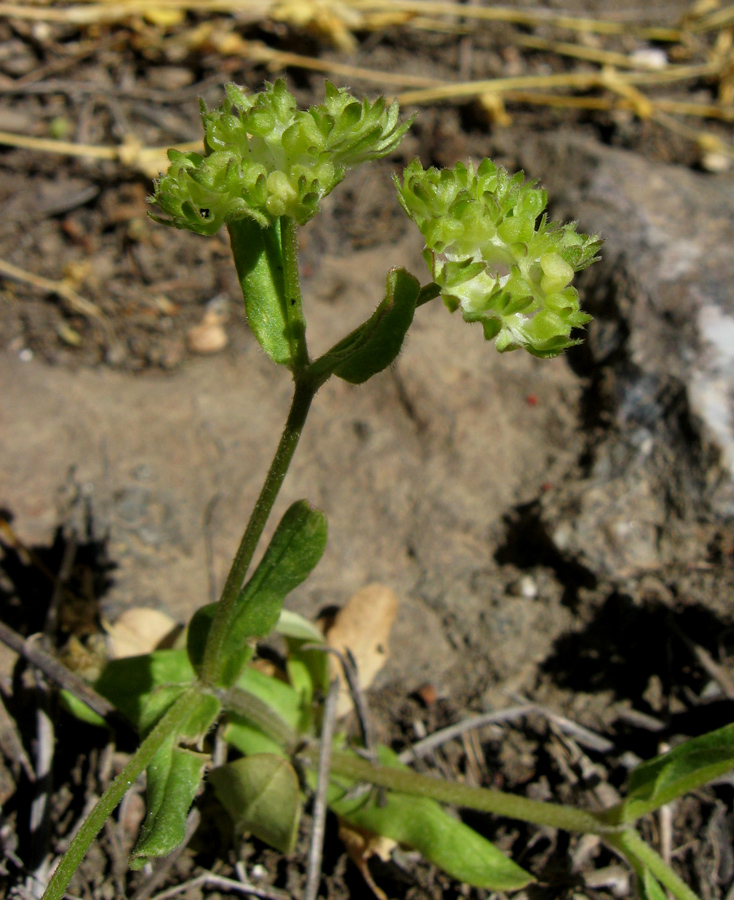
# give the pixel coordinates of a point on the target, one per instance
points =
(510, 805)
(293, 296)
(302, 397)
(636, 852)
(262, 716)
(106, 804)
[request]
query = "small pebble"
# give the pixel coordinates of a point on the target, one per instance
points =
(525, 587)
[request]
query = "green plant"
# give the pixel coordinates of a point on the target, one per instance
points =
(492, 254)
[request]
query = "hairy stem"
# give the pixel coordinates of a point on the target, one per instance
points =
(641, 856)
(302, 397)
(405, 781)
(106, 804)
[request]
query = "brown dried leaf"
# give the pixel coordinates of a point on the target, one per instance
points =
(363, 626)
(139, 630)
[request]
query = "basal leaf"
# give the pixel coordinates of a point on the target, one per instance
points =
(680, 770)
(174, 777)
(143, 687)
(262, 795)
(425, 826)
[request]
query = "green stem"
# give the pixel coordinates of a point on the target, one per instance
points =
(106, 804)
(641, 856)
(293, 296)
(304, 393)
(510, 805)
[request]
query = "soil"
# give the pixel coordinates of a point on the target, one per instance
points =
(466, 481)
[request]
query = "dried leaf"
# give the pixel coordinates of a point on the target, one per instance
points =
(363, 626)
(138, 631)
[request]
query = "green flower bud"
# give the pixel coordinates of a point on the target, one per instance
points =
(266, 159)
(496, 257)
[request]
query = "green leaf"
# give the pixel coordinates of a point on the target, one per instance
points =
(297, 545)
(258, 256)
(262, 796)
(308, 670)
(682, 769)
(376, 343)
(77, 708)
(291, 625)
(174, 777)
(425, 826)
(143, 687)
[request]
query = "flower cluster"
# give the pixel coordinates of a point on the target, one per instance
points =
(266, 159)
(496, 257)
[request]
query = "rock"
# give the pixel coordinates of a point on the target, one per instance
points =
(660, 353)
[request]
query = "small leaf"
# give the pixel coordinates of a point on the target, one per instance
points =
(262, 796)
(258, 257)
(174, 777)
(680, 770)
(375, 344)
(425, 826)
(297, 545)
(77, 708)
(291, 625)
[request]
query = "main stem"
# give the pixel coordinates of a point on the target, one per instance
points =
(302, 397)
(305, 390)
(106, 804)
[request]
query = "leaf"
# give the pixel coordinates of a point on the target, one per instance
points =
(308, 670)
(79, 709)
(291, 625)
(174, 777)
(682, 769)
(262, 796)
(297, 545)
(258, 255)
(143, 687)
(425, 826)
(376, 343)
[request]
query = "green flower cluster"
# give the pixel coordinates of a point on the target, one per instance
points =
(266, 159)
(492, 258)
